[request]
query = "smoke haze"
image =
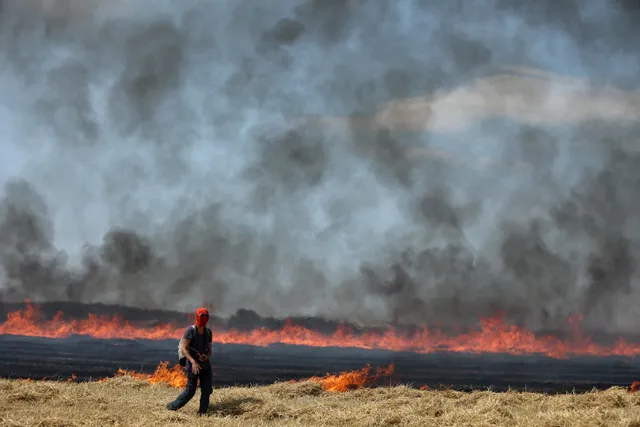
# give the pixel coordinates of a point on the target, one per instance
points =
(360, 160)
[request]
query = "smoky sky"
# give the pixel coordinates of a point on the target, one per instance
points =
(162, 154)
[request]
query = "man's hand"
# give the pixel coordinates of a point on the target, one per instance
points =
(195, 368)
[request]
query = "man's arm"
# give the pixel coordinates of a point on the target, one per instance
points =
(185, 350)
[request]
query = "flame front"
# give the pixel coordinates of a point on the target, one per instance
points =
(342, 382)
(494, 336)
(352, 380)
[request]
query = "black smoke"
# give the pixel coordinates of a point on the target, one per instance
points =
(161, 154)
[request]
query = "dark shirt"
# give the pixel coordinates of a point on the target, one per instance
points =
(199, 343)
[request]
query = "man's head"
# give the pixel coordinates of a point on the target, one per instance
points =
(202, 316)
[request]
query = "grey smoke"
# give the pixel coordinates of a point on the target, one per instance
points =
(320, 157)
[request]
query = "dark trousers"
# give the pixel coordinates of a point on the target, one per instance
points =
(190, 390)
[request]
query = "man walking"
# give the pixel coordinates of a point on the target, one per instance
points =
(196, 347)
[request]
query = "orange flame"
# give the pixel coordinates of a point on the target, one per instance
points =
(635, 386)
(352, 380)
(494, 336)
(174, 376)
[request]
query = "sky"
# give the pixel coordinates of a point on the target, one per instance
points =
(359, 160)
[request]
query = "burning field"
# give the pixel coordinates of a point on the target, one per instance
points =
(453, 192)
(38, 345)
(493, 336)
(104, 370)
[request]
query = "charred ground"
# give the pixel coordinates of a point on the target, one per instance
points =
(92, 359)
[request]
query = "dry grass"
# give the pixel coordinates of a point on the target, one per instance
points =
(124, 401)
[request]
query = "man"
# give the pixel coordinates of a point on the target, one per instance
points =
(196, 347)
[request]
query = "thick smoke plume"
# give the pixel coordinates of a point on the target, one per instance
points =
(373, 161)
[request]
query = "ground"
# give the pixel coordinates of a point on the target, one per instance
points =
(126, 401)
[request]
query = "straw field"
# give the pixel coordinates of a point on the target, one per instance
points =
(128, 401)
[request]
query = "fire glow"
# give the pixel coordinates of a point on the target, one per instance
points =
(494, 336)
